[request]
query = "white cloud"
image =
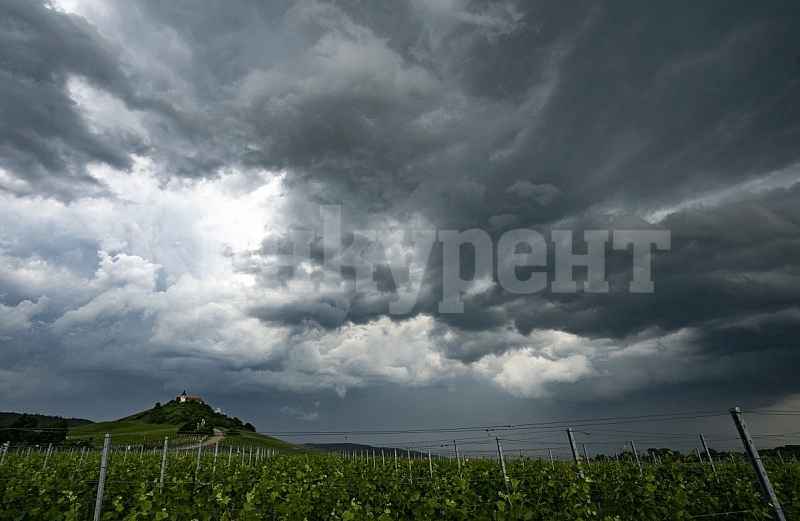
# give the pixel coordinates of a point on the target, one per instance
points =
(488, 20)
(18, 318)
(298, 412)
(526, 366)
(103, 112)
(524, 373)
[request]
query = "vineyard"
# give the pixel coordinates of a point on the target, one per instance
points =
(254, 484)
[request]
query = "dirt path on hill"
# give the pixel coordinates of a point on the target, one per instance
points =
(218, 436)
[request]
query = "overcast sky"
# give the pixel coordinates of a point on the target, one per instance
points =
(158, 160)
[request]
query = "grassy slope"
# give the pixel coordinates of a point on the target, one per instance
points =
(123, 432)
(137, 429)
(254, 439)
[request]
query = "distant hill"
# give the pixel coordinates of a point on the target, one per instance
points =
(183, 423)
(7, 418)
(191, 417)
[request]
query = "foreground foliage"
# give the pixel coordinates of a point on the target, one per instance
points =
(236, 486)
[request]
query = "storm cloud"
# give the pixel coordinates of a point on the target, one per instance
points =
(159, 162)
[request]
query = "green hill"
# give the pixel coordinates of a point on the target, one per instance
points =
(184, 423)
(190, 417)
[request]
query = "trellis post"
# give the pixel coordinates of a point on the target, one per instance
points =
(758, 466)
(710, 459)
(6, 445)
(503, 467)
(101, 482)
(636, 455)
(164, 459)
(575, 455)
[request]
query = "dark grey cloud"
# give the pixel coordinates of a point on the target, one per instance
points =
(606, 104)
(434, 109)
(45, 143)
(725, 263)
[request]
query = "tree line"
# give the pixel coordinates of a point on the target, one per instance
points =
(26, 430)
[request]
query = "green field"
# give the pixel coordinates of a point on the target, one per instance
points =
(245, 484)
(123, 433)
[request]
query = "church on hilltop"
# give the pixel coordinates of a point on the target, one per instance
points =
(189, 399)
